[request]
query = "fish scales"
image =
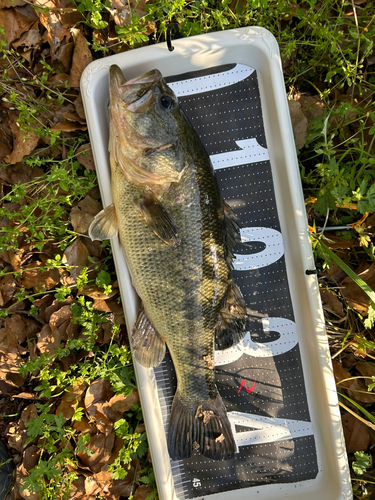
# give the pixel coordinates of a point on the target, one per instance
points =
(181, 288)
(178, 239)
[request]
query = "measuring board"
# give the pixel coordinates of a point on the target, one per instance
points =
(261, 379)
(277, 383)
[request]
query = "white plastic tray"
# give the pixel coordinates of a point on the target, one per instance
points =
(256, 48)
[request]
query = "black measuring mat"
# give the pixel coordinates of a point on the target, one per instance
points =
(261, 380)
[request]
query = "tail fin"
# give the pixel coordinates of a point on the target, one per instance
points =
(200, 427)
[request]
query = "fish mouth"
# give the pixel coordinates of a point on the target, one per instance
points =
(116, 80)
(135, 93)
(148, 78)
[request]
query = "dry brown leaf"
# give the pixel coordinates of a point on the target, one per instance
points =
(10, 362)
(331, 302)
(17, 433)
(101, 305)
(115, 308)
(74, 117)
(21, 474)
(81, 57)
(353, 294)
(338, 242)
(60, 79)
(76, 256)
(340, 374)
(299, 123)
(109, 489)
(20, 173)
(94, 248)
(83, 214)
(142, 492)
(99, 484)
(90, 205)
(48, 341)
(9, 22)
(24, 142)
(7, 4)
(95, 292)
(15, 325)
(121, 488)
(75, 392)
(101, 446)
(60, 321)
(104, 333)
(356, 387)
(84, 426)
(119, 443)
(15, 378)
(99, 391)
(78, 104)
(67, 409)
(369, 224)
(30, 39)
(55, 306)
(25, 13)
(42, 305)
(367, 370)
(312, 106)
(78, 489)
(118, 405)
(72, 331)
(7, 388)
(67, 126)
(7, 289)
(26, 395)
(110, 306)
(132, 4)
(122, 10)
(65, 55)
(57, 34)
(5, 147)
(37, 279)
(358, 391)
(71, 397)
(8, 341)
(85, 157)
(30, 457)
(92, 487)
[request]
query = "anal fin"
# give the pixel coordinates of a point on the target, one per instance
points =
(231, 324)
(104, 226)
(148, 346)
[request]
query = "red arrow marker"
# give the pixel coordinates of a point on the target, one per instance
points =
(249, 391)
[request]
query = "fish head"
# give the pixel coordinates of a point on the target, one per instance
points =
(147, 126)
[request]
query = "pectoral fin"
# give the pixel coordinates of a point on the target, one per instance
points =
(231, 324)
(148, 346)
(159, 220)
(104, 226)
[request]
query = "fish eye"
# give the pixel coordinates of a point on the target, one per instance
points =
(166, 102)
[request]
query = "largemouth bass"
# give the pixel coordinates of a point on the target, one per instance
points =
(178, 237)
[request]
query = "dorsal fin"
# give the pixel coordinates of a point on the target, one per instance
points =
(231, 234)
